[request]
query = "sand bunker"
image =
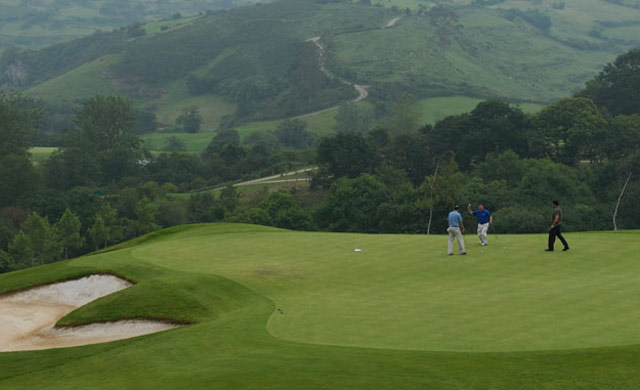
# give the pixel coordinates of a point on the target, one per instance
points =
(27, 318)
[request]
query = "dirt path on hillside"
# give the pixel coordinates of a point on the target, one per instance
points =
(362, 89)
(28, 318)
(393, 22)
(277, 178)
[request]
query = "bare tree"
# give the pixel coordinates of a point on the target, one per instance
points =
(615, 213)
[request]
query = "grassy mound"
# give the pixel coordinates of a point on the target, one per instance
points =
(278, 309)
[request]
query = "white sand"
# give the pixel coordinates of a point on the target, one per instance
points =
(27, 318)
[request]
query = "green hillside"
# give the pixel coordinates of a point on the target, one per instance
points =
(303, 310)
(39, 23)
(255, 64)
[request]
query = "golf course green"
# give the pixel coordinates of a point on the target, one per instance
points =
(265, 308)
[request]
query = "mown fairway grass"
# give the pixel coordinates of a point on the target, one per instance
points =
(400, 314)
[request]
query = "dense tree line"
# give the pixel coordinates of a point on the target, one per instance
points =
(102, 187)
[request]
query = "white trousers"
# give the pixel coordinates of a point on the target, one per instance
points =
(483, 228)
(455, 233)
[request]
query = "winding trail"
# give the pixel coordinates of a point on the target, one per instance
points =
(363, 93)
(277, 178)
(393, 22)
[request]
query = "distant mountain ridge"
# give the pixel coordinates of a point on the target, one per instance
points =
(39, 23)
(256, 62)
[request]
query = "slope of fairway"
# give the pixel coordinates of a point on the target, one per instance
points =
(401, 292)
(269, 308)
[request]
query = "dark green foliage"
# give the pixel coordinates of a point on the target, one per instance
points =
(345, 155)
(202, 207)
(146, 122)
(18, 120)
(570, 130)
(177, 168)
(229, 198)
(175, 144)
(532, 16)
(351, 205)
(190, 120)
(102, 147)
(617, 87)
(285, 212)
(37, 243)
(354, 118)
(493, 126)
(106, 228)
(69, 230)
(293, 133)
(171, 212)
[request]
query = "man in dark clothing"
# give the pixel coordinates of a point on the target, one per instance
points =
(556, 228)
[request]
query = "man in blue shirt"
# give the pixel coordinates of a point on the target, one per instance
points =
(485, 219)
(456, 230)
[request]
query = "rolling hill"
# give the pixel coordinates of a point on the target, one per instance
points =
(303, 310)
(256, 63)
(40, 23)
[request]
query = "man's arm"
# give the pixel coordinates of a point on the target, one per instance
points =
(469, 209)
(462, 227)
(556, 218)
(491, 220)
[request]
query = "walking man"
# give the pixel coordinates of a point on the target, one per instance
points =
(485, 219)
(456, 230)
(556, 228)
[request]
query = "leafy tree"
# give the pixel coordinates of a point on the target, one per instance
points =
(106, 228)
(351, 205)
(200, 207)
(285, 212)
(623, 137)
(617, 86)
(69, 229)
(520, 219)
(146, 213)
(345, 155)
(190, 120)
(405, 115)
(293, 133)
(102, 147)
(545, 180)
(352, 117)
(175, 144)
(38, 241)
(229, 198)
(257, 216)
(569, 130)
(146, 122)
(18, 120)
(175, 168)
(98, 232)
(6, 262)
(21, 254)
(171, 212)
(411, 153)
(505, 166)
(19, 179)
(106, 123)
(496, 126)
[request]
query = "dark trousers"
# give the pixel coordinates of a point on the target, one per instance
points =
(557, 232)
